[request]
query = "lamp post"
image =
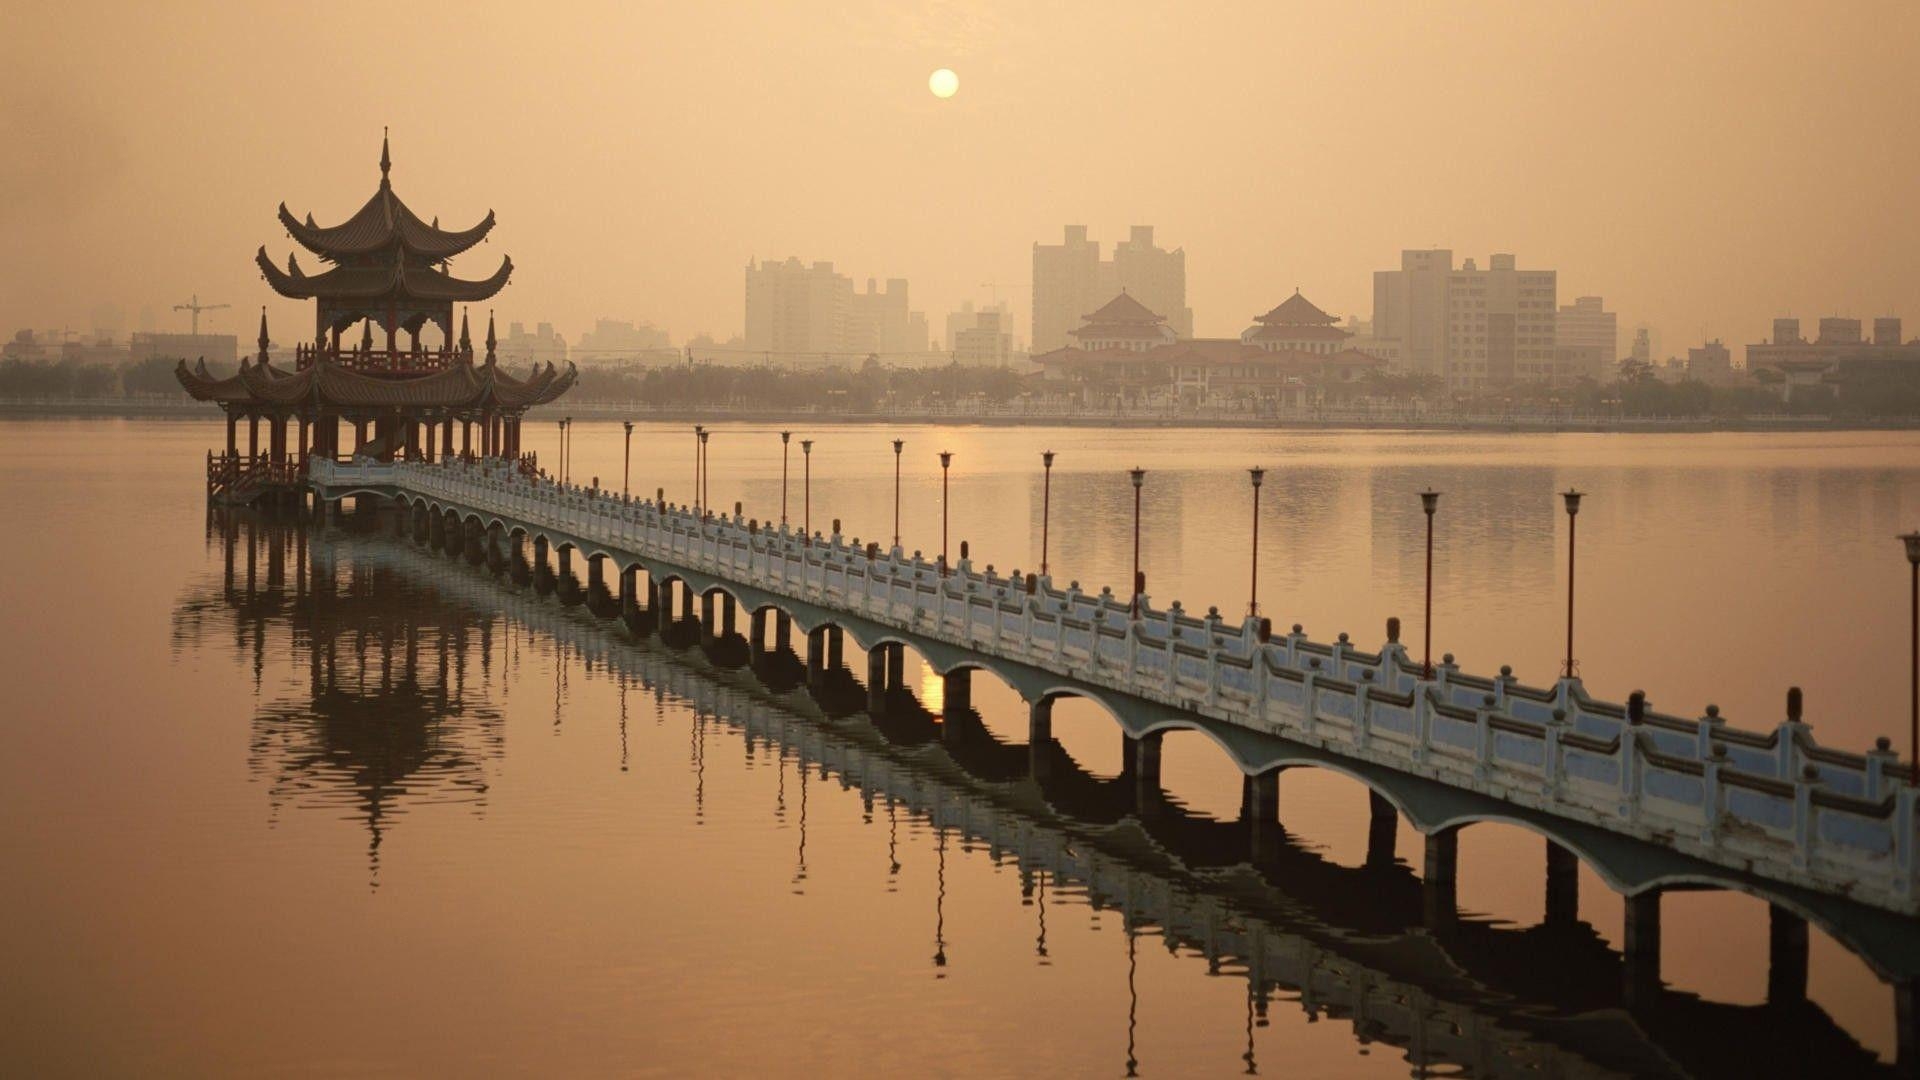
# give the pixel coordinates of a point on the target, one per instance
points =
(626, 464)
(1253, 589)
(560, 473)
(1139, 476)
(1046, 504)
(898, 445)
(706, 472)
(1912, 540)
(784, 436)
(806, 498)
(946, 459)
(1573, 511)
(699, 437)
(1429, 502)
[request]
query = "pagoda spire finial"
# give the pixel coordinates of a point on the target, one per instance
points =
(263, 332)
(491, 340)
(466, 342)
(386, 159)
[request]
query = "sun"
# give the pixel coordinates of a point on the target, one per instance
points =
(944, 83)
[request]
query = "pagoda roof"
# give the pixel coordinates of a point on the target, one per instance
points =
(325, 381)
(1297, 310)
(1124, 309)
(384, 222)
(1298, 332)
(419, 282)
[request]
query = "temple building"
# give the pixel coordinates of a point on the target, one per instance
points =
(1292, 357)
(388, 269)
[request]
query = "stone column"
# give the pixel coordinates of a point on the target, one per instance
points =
(1260, 805)
(757, 633)
(727, 615)
(877, 680)
(1786, 957)
(1040, 739)
(956, 694)
(782, 632)
(1439, 878)
(1563, 886)
(835, 644)
(1383, 830)
(1641, 949)
(896, 665)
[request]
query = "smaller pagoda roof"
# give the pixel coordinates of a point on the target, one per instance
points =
(1297, 310)
(371, 282)
(1124, 309)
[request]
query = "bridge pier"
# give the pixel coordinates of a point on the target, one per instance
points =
(816, 662)
(566, 562)
(709, 617)
(1040, 739)
(596, 575)
(629, 604)
(1786, 958)
(1141, 757)
(756, 637)
(782, 632)
(877, 680)
(1906, 1026)
(1563, 886)
(1439, 879)
(836, 645)
(896, 665)
(1640, 948)
(727, 611)
(1260, 806)
(956, 694)
(1383, 830)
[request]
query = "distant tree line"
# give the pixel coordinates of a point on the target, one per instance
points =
(867, 388)
(150, 378)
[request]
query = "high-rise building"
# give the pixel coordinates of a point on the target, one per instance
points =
(1588, 336)
(968, 318)
(616, 341)
(985, 342)
(793, 308)
(879, 322)
(1071, 279)
(1789, 363)
(802, 312)
(543, 346)
(1476, 328)
(1711, 363)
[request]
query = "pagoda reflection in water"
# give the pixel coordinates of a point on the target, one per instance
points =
(387, 717)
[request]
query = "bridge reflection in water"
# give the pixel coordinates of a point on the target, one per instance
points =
(393, 714)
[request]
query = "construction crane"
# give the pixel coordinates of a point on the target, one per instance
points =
(194, 305)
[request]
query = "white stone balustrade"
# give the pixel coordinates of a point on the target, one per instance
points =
(1776, 803)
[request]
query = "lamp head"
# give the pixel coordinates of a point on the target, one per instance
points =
(1912, 540)
(899, 445)
(1046, 458)
(1429, 501)
(629, 426)
(1258, 474)
(1139, 476)
(784, 436)
(946, 458)
(806, 446)
(1573, 500)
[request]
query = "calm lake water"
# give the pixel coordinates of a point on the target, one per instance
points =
(358, 808)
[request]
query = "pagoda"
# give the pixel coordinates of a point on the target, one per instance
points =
(386, 268)
(1297, 324)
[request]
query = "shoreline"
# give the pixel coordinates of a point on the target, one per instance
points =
(609, 411)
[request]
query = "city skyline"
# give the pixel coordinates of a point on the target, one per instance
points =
(1802, 217)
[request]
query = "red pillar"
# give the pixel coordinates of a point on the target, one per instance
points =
(253, 437)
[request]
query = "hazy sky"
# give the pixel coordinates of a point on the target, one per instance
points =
(1702, 166)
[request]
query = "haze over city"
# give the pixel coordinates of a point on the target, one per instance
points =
(960, 539)
(640, 156)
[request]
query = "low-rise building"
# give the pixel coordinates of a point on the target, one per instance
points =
(1789, 362)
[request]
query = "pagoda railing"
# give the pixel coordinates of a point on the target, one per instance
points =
(383, 361)
(1772, 803)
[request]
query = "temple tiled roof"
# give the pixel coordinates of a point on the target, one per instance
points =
(1298, 332)
(369, 282)
(1297, 310)
(383, 223)
(327, 382)
(1124, 309)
